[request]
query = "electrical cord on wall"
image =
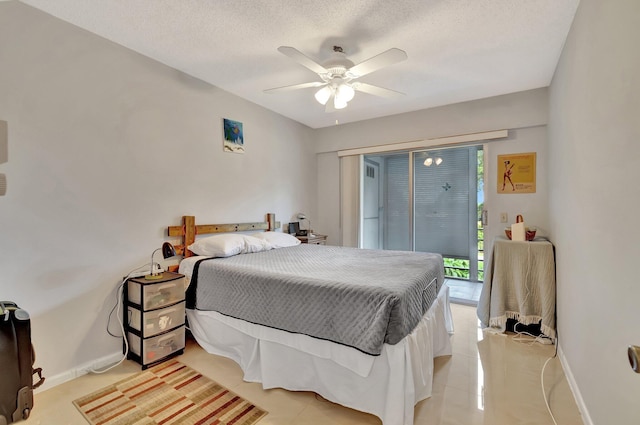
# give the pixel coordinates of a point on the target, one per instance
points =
(116, 307)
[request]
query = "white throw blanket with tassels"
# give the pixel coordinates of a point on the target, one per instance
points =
(520, 284)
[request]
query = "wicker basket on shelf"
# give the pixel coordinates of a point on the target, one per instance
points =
(529, 232)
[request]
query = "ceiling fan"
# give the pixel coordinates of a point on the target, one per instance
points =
(339, 75)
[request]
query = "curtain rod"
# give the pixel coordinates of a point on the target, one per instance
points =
(440, 141)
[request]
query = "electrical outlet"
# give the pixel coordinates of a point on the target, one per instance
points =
(504, 218)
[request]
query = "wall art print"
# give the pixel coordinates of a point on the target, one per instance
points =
(233, 136)
(517, 173)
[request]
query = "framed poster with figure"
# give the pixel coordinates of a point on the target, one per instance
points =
(517, 173)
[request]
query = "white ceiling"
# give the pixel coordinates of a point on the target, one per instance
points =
(458, 50)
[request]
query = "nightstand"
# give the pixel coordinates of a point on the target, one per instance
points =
(313, 240)
(154, 316)
(519, 282)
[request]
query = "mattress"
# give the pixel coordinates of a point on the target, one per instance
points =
(354, 297)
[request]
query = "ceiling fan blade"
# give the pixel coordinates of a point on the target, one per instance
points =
(303, 60)
(296, 87)
(386, 58)
(375, 90)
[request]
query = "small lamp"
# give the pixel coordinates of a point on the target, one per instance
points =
(168, 251)
(302, 216)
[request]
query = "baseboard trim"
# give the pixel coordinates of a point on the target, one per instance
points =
(61, 378)
(574, 388)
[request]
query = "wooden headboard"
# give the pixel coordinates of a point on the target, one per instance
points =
(188, 231)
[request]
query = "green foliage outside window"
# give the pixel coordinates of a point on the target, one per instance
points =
(459, 268)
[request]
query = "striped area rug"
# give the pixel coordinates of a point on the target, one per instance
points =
(169, 393)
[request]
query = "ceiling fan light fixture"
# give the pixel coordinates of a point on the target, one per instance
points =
(345, 93)
(428, 161)
(339, 103)
(338, 75)
(323, 95)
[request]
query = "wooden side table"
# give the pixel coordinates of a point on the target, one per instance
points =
(314, 240)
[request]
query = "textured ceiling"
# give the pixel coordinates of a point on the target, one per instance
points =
(457, 50)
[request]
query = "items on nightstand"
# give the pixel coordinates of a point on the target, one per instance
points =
(294, 228)
(168, 251)
(302, 216)
(154, 315)
(313, 239)
(519, 232)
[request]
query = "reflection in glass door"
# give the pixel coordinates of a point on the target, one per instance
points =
(371, 205)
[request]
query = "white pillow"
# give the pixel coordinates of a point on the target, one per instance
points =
(278, 239)
(252, 244)
(227, 245)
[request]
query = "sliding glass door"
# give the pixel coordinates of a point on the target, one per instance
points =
(425, 201)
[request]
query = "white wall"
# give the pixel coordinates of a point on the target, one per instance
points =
(534, 207)
(328, 183)
(106, 149)
(524, 114)
(594, 152)
(516, 110)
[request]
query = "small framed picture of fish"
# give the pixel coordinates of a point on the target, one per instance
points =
(233, 136)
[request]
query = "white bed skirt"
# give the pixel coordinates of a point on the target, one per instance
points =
(388, 385)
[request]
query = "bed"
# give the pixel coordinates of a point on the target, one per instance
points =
(358, 327)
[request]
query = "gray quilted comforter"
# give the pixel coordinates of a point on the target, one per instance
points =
(356, 297)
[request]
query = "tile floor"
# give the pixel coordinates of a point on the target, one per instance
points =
(463, 291)
(490, 380)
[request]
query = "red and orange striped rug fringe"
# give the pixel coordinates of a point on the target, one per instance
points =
(169, 393)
